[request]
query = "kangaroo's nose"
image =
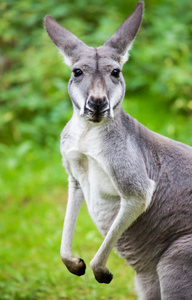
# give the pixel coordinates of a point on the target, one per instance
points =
(98, 105)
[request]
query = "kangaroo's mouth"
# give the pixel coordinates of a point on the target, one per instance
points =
(96, 116)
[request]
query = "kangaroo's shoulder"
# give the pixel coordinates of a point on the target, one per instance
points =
(151, 139)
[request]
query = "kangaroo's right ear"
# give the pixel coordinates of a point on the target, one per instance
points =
(66, 41)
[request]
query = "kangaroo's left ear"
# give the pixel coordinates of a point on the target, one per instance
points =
(122, 40)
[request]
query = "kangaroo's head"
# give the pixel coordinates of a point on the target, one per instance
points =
(96, 86)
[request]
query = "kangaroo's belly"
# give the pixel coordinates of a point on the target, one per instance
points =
(101, 197)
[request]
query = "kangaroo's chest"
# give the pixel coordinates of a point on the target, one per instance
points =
(82, 159)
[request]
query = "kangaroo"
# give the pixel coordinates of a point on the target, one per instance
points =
(136, 183)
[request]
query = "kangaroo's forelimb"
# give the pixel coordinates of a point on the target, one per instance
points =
(75, 199)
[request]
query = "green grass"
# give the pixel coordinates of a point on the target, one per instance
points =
(33, 191)
(33, 201)
(31, 268)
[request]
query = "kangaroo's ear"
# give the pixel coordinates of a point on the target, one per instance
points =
(69, 45)
(122, 40)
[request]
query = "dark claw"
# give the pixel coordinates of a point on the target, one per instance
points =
(78, 268)
(82, 269)
(104, 277)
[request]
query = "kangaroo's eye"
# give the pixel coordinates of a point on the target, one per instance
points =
(115, 73)
(77, 72)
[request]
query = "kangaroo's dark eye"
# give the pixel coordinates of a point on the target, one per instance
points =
(115, 73)
(77, 72)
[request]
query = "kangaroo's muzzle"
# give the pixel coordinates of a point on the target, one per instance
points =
(97, 108)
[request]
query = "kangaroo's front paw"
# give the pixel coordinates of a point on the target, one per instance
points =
(75, 266)
(102, 275)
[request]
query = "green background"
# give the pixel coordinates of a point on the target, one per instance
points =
(34, 107)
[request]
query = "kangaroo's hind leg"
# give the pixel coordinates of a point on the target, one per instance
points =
(147, 285)
(175, 270)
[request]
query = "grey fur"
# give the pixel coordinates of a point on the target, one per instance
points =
(150, 225)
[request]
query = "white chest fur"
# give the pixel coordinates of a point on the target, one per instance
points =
(83, 159)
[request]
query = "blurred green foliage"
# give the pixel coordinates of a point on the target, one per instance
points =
(33, 98)
(163, 59)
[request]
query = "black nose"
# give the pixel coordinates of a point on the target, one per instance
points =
(98, 105)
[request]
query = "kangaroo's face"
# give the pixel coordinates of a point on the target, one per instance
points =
(96, 86)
